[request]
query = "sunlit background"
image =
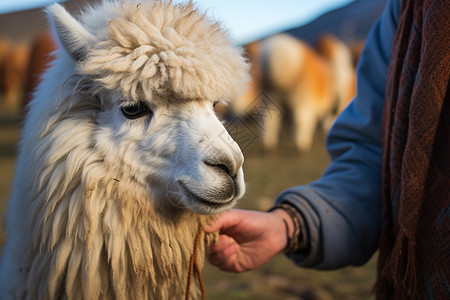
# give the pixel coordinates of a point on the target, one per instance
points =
(330, 32)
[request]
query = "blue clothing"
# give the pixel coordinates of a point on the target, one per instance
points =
(342, 210)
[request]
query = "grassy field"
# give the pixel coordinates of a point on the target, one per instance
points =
(266, 176)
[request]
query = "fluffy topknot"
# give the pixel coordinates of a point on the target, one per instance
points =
(157, 47)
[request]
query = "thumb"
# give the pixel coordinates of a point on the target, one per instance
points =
(224, 221)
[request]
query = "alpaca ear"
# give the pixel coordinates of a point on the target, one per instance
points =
(75, 39)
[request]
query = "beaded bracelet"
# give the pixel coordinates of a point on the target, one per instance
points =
(298, 240)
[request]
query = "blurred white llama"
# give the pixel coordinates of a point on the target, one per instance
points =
(122, 157)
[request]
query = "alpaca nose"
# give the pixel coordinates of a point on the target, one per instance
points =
(227, 162)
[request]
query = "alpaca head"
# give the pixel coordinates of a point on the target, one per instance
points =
(150, 73)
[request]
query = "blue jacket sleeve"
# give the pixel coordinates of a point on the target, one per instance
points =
(342, 210)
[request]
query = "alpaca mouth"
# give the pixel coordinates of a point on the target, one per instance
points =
(199, 199)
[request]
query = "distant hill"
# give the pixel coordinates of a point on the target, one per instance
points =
(350, 23)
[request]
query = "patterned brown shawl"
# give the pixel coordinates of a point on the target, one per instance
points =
(414, 261)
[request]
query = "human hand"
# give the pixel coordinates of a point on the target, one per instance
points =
(248, 238)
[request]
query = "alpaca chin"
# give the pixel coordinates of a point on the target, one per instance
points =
(182, 196)
(202, 205)
(218, 191)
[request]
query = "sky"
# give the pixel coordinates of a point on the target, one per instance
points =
(246, 20)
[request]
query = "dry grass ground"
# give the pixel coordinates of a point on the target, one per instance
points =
(266, 176)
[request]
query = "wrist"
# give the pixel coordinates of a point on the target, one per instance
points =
(294, 223)
(284, 228)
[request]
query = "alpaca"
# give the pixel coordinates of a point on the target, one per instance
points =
(295, 77)
(314, 86)
(122, 157)
(303, 81)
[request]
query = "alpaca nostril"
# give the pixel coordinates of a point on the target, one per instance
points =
(223, 167)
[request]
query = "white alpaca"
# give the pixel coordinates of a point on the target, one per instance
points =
(122, 157)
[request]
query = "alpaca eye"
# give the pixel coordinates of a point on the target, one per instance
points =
(135, 110)
(215, 103)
